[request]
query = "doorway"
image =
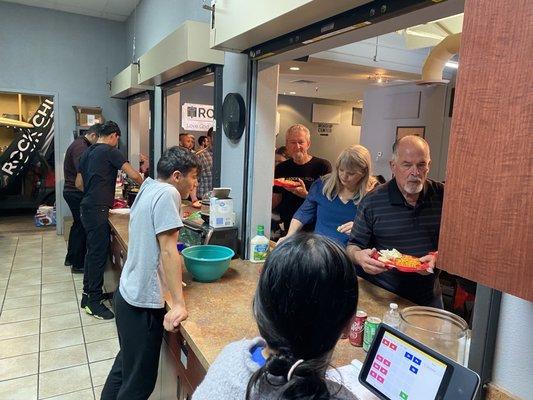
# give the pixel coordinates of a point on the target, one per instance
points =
(191, 108)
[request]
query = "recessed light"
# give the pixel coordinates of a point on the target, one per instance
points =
(292, 92)
(294, 68)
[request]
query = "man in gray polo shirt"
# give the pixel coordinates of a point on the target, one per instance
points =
(153, 266)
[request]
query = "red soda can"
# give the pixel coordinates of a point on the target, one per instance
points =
(357, 329)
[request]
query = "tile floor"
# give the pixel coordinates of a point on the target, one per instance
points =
(49, 348)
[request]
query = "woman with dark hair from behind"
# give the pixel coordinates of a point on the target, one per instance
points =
(305, 298)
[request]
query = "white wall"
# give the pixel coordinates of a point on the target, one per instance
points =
(298, 110)
(386, 108)
(513, 358)
(264, 139)
(232, 174)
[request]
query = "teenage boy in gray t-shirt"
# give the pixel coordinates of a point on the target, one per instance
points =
(153, 266)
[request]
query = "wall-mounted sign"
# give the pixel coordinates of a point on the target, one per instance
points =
(197, 117)
(324, 129)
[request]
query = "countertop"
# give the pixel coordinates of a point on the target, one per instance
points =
(221, 312)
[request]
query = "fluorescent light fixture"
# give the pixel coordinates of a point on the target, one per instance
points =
(292, 92)
(294, 68)
(452, 64)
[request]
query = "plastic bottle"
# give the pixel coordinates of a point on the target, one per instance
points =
(259, 245)
(392, 316)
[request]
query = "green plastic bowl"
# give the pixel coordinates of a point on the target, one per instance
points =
(207, 263)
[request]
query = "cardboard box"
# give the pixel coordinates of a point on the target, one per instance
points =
(88, 116)
(221, 212)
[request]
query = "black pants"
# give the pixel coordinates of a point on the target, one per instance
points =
(95, 222)
(140, 332)
(76, 238)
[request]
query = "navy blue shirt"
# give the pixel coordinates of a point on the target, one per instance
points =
(327, 214)
(385, 221)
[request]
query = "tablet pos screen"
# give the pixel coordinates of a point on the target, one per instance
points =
(400, 371)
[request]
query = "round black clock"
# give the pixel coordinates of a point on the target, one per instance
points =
(233, 116)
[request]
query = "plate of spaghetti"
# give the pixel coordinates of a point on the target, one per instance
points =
(402, 262)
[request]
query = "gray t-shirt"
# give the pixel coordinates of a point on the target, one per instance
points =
(155, 210)
(228, 376)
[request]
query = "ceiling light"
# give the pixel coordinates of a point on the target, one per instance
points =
(294, 68)
(452, 64)
(292, 92)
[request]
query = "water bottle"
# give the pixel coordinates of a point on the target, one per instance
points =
(392, 316)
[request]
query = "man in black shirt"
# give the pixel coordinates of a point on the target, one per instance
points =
(96, 177)
(76, 238)
(302, 167)
(404, 214)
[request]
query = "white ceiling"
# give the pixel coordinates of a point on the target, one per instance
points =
(432, 33)
(116, 10)
(334, 80)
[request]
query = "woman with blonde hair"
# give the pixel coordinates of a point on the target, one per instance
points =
(332, 200)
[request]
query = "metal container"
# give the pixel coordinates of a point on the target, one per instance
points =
(441, 330)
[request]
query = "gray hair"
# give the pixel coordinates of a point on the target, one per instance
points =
(297, 128)
(411, 138)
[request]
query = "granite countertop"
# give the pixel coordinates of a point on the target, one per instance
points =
(221, 312)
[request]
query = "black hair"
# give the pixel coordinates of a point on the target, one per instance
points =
(94, 129)
(210, 132)
(108, 128)
(176, 159)
(306, 295)
(282, 151)
(183, 134)
(201, 140)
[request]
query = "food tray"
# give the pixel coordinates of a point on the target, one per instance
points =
(391, 264)
(286, 183)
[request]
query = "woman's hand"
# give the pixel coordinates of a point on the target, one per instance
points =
(345, 228)
(281, 240)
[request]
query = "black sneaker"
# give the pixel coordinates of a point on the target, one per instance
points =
(76, 270)
(84, 299)
(98, 310)
(67, 261)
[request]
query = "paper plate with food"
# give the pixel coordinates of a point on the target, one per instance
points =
(402, 262)
(287, 183)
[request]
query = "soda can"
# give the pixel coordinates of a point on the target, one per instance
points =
(371, 327)
(357, 328)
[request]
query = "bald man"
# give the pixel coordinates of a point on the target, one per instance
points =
(404, 214)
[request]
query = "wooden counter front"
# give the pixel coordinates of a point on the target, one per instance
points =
(221, 312)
